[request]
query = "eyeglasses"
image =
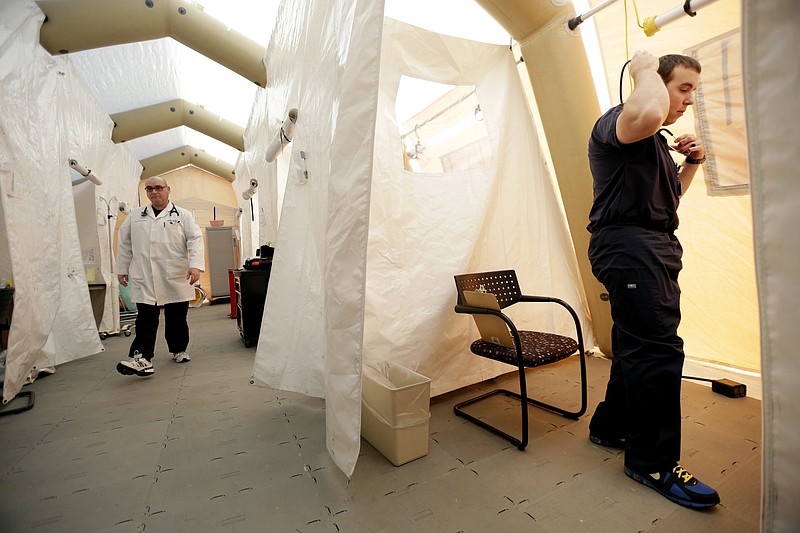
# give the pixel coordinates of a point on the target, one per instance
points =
(157, 188)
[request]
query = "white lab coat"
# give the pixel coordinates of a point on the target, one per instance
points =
(157, 252)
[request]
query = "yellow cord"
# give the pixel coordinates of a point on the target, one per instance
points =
(627, 51)
(636, 9)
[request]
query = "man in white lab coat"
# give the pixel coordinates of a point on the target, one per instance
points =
(160, 252)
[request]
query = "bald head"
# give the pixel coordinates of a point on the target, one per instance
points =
(157, 191)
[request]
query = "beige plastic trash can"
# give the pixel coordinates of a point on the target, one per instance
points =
(395, 411)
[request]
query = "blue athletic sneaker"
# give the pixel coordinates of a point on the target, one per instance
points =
(679, 486)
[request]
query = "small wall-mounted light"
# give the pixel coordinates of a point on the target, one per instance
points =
(249, 193)
(283, 137)
(86, 173)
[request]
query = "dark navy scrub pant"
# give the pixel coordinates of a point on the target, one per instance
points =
(639, 269)
(176, 329)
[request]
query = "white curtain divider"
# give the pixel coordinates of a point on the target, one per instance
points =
(323, 59)
(59, 233)
(771, 73)
(53, 320)
(87, 133)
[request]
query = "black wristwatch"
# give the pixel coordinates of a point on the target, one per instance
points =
(692, 161)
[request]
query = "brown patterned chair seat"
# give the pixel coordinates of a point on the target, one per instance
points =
(537, 349)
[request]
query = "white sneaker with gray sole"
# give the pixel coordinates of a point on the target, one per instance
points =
(136, 365)
(181, 357)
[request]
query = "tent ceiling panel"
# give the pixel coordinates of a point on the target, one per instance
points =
(467, 20)
(167, 140)
(159, 117)
(520, 19)
(140, 74)
(128, 21)
(129, 77)
(186, 155)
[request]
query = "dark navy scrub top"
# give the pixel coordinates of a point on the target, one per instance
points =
(634, 184)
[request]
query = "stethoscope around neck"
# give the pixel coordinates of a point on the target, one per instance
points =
(169, 213)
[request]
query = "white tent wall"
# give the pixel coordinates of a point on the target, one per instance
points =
(49, 117)
(426, 228)
(718, 287)
(88, 136)
(323, 58)
(120, 171)
(53, 319)
(259, 222)
(245, 221)
(770, 45)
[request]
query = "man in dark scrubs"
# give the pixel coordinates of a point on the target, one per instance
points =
(636, 256)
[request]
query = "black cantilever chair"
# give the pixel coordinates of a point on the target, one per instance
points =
(531, 348)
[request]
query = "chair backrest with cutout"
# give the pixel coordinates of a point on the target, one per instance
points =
(502, 283)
